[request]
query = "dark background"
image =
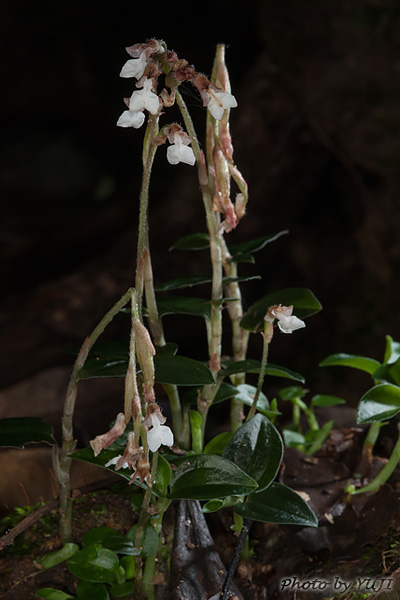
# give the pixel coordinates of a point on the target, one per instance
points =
(316, 135)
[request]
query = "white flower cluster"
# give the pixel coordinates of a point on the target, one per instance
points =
(140, 99)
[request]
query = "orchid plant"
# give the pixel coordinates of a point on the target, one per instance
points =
(166, 458)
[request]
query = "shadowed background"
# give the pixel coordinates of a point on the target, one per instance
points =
(316, 135)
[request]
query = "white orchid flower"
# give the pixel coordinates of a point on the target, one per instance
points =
(159, 434)
(145, 99)
(287, 322)
(134, 67)
(180, 152)
(219, 101)
(130, 118)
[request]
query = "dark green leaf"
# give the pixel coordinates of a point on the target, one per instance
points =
(362, 363)
(194, 241)
(228, 280)
(52, 594)
(111, 539)
(94, 563)
(86, 455)
(242, 252)
(163, 477)
(15, 432)
(326, 400)
(218, 443)
(379, 403)
(205, 476)
(122, 589)
(257, 449)
(183, 282)
(218, 503)
(303, 300)
(225, 392)
(150, 540)
(180, 370)
(184, 306)
(277, 504)
(101, 367)
(168, 348)
(110, 350)
(87, 590)
(392, 351)
(253, 366)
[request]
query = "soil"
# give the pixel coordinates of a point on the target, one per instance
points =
(354, 551)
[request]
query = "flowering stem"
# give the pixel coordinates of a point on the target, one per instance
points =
(62, 461)
(144, 271)
(268, 333)
(215, 335)
(215, 244)
(150, 565)
(144, 515)
(240, 337)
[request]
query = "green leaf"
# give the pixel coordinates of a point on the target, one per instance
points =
(294, 391)
(326, 400)
(303, 300)
(293, 439)
(128, 564)
(180, 370)
(52, 594)
(246, 395)
(150, 539)
(183, 282)
(163, 477)
(102, 367)
(205, 477)
(378, 404)
(277, 504)
(362, 363)
(218, 443)
(257, 449)
(122, 589)
(218, 503)
(315, 439)
(168, 348)
(225, 392)
(87, 590)
(177, 305)
(392, 351)
(169, 368)
(17, 431)
(111, 539)
(110, 350)
(242, 252)
(86, 455)
(193, 241)
(254, 366)
(389, 373)
(228, 280)
(55, 558)
(94, 563)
